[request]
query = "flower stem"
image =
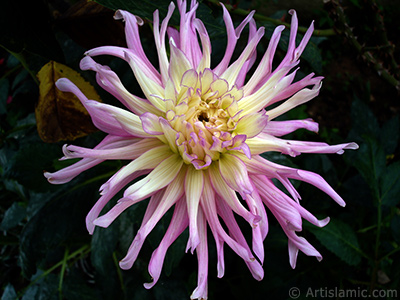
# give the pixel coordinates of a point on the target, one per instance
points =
(82, 251)
(63, 267)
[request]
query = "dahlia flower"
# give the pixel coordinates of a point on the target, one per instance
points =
(196, 136)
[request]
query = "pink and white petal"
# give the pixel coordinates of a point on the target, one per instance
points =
(68, 173)
(110, 82)
(159, 37)
(178, 224)
(127, 55)
(161, 176)
(261, 98)
(277, 203)
(153, 90)
(234, 230)
(205, 61)
(296, 243)
(264, 68)
(280, 128)
(151, 124)
(133, 38)
(306, 176)
(317, 181)
(232, 37)
(201, 290)
(148, 160)
(289, 90)
(208, 204)
(136, 168)
(130, 152)
(179, 64)
(260, 231)
(171, 194)
(188, 38)
(104, 114)
(252, 124)
(137, 243)
(240, 79)
(297, 99)
(105, 198)
(100, 119)
(234, 172)
(318, 147)
(229, 195)
(232, 73)
(257, 166)
(194, 183)
(170, 136)
(164, 202)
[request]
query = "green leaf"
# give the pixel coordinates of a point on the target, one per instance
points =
(9, 293)
(30, 161)
(370, 161)
(103, 245)
(60, 219)
(390, 185)
(45, 288)
(364, 122)
(340, 239)
(15, 214)
(389, 136)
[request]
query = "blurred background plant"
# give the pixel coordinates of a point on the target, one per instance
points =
(46, 252)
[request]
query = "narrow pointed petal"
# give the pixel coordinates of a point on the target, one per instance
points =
(67, 174)
(201, 290)
(232, 37)
(178, 224)
(130, 151)
(252, 124)
(161, 176)
(194, 183)
(159, 37)
(170, 196)
(299, 98)
(133, 38)
(280, 128)
(110, 82)
(234, 172)
(229, 196)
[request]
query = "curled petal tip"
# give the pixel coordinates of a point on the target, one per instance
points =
(125, 265)
(352, 146)
(148, 285)
(64, 84)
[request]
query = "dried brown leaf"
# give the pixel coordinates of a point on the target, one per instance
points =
(60, 115)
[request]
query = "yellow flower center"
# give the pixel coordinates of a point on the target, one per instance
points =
(204, 113)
